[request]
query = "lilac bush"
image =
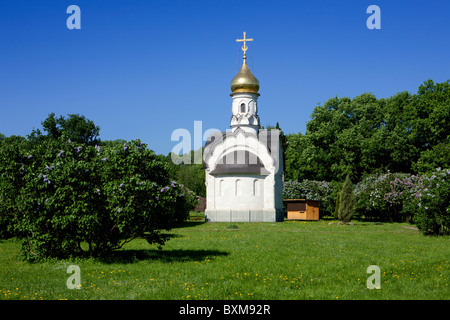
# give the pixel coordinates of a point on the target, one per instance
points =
(381, 196)
(60, 196)
(401, 197)
(430, 201)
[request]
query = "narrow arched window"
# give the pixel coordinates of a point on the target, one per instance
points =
(237, 190)
(255, 187)
(243, 108)
(220, 187)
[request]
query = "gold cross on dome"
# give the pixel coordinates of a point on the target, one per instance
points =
(244, 47)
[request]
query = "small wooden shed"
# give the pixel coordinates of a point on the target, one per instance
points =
(302, 209)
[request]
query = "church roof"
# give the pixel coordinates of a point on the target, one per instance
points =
(245, 81)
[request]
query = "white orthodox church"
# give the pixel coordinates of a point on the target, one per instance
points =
(244, 166)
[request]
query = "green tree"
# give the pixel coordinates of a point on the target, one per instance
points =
(299, 158)
(431, 126)
(76, 128)
(345, 210)
(364, 135)
(436, 157)
(431, 114)
(336, 207)
(191, 175)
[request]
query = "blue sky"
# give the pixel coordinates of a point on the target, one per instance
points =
(141, 69)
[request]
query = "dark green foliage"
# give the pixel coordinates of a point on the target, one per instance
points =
(345, 211)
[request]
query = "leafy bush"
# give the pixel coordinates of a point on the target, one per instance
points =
(62, 194)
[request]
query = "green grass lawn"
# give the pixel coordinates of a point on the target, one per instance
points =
(289, 260)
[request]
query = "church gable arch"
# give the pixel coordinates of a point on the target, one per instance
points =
(240, 161)
(239, 140)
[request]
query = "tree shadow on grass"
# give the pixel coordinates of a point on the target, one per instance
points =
(178, 255)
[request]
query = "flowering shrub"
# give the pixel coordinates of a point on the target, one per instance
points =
(381, 196)
(422, 199)
(431, 203)
(61, 195)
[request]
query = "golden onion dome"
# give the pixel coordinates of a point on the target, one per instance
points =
(244, 81)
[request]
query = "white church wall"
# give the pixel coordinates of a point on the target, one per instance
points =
(239, 191)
